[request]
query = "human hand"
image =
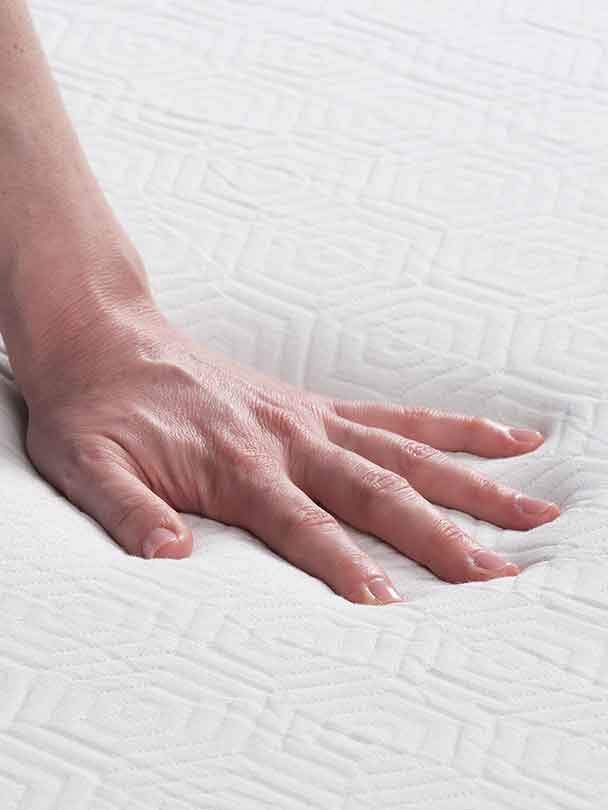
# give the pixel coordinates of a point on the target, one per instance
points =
(142, 423)
(134, 422)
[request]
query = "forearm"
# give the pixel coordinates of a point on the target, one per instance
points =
(65, 261)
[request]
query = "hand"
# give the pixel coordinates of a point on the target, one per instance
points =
(145, 423)
(134, 422)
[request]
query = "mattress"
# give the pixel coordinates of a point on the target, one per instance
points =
(405, 202)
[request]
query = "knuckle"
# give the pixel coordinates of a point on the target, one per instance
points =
(282, 422)
(242, 456)
(299, 523)
(476, 425)
(309, 517)
(252, 461)
(328, 404)
(448, 533)
(380, 482)
(420, 413)
(342, 407)
(302, 464)
(267, 488)
(336, 403)
(414, 453)
(486, 489)
(127, 512)
(242, 475)
(232, 455)
(321, 414)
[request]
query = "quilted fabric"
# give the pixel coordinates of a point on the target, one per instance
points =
(399, 201)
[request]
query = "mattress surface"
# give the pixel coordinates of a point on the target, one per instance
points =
(370, 199)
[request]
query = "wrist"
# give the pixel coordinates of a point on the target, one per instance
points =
(67, 288)
(68, 270)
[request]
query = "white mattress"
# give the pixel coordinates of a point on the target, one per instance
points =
(400, 201)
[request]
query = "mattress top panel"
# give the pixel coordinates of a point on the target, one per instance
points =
(369, 199)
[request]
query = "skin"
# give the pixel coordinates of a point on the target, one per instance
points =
(134, 422)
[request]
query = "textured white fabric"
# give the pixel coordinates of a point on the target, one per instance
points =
(399, 201)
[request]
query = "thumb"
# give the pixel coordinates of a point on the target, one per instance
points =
(141, 522)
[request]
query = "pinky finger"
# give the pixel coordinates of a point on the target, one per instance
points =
(454, 432)
(296, 528)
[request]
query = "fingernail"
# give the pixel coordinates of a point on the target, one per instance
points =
(156, 541)
(383, 591)
(525, 435)
(532, 506)
(376, 592)
(490, 560)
